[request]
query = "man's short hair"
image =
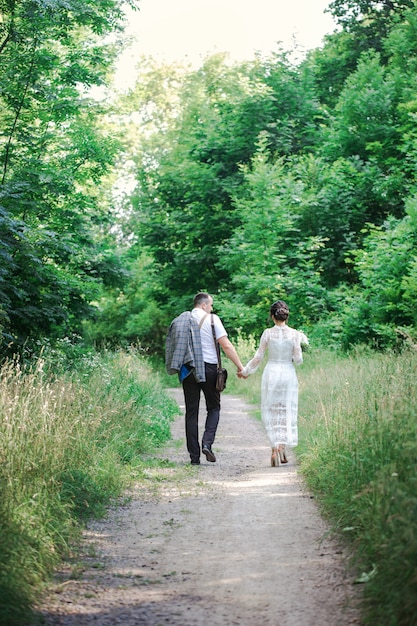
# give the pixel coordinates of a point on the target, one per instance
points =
(201, 297)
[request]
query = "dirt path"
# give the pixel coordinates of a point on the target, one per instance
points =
(229, 543)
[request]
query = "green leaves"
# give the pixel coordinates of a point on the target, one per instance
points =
(53, 158)
(254, 181)
(365, 115)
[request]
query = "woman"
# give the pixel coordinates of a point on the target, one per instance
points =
(279, 387)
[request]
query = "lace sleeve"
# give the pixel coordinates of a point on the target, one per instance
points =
(297, 353)
(254, 363)
(303, 338)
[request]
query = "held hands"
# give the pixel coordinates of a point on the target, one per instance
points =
(240, 374)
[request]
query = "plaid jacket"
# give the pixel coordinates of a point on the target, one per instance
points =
(183, 346)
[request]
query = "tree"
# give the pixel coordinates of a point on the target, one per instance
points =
(263, 180)
(53, 157)
(382, 309)
(266, 255)
(182, 205)
(330, 66)
(365, 122)
(183, 209)
(369, 21)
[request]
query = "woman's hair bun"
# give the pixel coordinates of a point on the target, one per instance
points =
(280, 310)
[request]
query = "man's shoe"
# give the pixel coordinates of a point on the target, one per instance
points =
(209, 454)
(195, 461)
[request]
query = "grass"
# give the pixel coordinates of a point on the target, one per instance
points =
(358, 455)
(70, 443)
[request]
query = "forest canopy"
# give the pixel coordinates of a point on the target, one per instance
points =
(256, 181)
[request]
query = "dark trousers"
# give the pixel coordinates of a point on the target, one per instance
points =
(192, 391)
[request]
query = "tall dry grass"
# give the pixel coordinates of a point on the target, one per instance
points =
(358, 454)
(68, 445)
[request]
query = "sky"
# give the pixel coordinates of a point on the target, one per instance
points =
(189, 30)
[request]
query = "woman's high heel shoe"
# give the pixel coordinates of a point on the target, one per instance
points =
(275, 458)
(282, 455)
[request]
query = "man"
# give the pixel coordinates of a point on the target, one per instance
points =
(191, 353)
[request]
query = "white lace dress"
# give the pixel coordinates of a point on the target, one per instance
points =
(279, 387)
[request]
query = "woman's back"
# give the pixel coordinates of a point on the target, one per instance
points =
(282, 341)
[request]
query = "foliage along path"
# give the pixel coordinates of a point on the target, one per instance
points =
(235, 542)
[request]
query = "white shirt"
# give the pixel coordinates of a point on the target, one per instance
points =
(207, 340)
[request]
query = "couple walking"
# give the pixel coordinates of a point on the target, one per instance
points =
(191, 353)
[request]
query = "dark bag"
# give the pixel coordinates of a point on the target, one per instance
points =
(221, 371)
(221, 378)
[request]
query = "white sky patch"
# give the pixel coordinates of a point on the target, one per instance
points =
(189, 30)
